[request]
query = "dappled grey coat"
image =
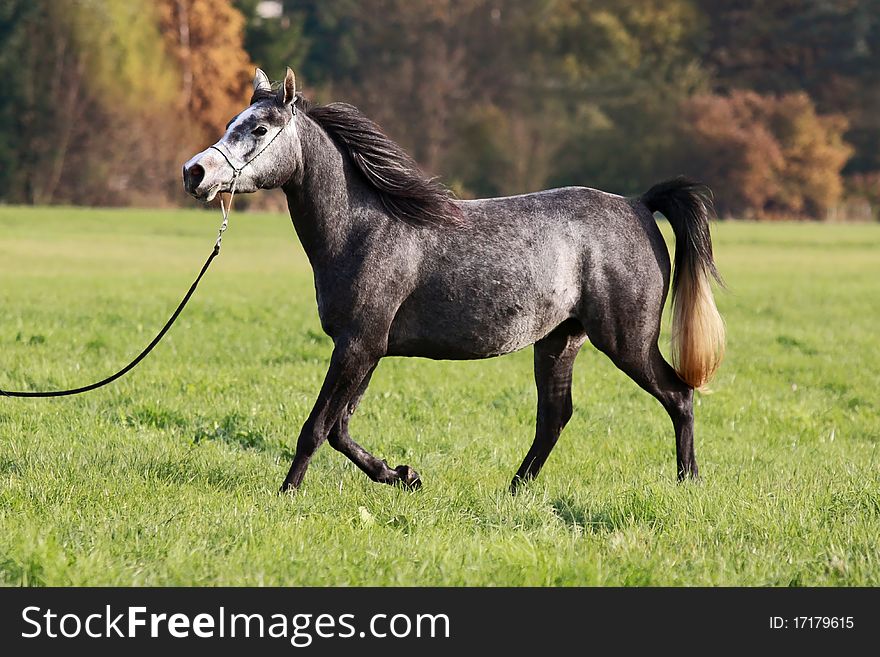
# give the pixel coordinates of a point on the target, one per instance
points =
(404, 269)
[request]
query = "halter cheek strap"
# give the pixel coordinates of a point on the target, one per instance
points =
(236, 171)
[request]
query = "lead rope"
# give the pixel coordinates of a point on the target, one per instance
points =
(125, 370)
(225, 210)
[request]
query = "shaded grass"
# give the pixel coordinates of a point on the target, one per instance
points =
(169, 476)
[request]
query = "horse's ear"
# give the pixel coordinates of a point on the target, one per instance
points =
(261, 81)
(287, 92)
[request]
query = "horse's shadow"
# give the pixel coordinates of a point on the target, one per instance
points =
(632, 509)
(233, 429)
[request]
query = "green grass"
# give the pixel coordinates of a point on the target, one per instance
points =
(169, 477)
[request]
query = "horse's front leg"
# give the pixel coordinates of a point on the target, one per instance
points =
(376, 469)
(350, 363)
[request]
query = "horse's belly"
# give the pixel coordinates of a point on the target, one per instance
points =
(476, 323)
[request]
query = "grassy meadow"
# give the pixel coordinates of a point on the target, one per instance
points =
(169, 477)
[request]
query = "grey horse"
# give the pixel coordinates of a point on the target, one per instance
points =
(402, 268)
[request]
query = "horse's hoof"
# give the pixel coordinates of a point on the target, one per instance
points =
(408, 478)
(689, 474)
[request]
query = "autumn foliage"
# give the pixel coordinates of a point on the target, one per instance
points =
(205, 40)
(765, 156)
(102, 100)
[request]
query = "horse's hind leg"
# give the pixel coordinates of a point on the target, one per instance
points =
(375, 468)
(554, 362)
(640, 358)
(657, 377)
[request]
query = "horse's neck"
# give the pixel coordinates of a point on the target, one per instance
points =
(318, 195)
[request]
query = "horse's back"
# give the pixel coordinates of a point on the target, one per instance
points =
(608, 234)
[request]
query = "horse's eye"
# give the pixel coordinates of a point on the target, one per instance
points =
(260, 130)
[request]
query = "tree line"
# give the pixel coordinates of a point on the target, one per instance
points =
(775, 104)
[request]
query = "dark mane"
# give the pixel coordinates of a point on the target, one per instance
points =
(404, 189)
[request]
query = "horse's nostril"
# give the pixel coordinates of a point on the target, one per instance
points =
(196, 174)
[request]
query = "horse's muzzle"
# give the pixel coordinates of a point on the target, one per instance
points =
(193, 175)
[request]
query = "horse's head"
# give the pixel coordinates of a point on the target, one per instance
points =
(259, 147)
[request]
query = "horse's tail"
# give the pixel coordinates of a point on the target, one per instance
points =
(697, 327)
